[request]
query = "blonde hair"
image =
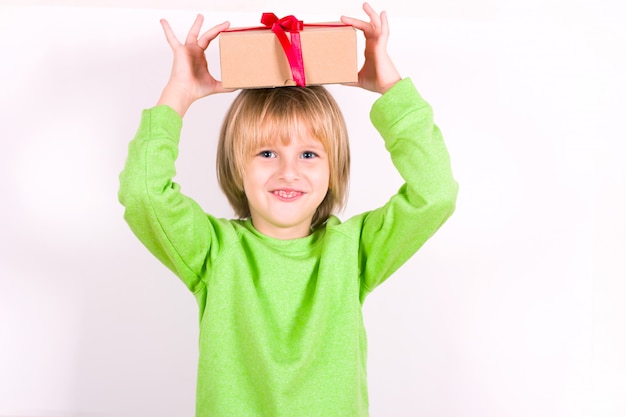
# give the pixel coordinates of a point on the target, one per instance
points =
(265, 116)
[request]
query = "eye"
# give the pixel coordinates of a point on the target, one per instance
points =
(308, 155)
(267, 154)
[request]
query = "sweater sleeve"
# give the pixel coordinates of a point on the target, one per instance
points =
(393, 233)
(172, 226)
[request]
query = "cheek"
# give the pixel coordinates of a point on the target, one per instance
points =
(247, 181)
(323, 176)
(256, 176)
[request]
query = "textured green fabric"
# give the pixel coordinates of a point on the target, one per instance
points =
(281, 328)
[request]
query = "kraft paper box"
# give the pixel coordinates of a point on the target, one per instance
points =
(255, 58)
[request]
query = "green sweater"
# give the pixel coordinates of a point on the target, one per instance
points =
(281, 327)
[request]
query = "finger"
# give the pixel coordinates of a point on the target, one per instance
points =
(357, 23)
(369, 10)
(374, 17)
(384, 24)
(211, 34)
(192, 36)
(169, 34)
(220, 89)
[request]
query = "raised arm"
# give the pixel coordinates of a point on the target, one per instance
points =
(171, 225)
(391, 234)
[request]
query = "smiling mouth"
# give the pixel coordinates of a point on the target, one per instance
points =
(287, 195)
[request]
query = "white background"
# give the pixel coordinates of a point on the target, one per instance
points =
(515, 308)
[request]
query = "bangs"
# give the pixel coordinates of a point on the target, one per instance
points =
(279, 129)
(271, 117)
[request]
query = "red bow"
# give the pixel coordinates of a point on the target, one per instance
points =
(293, 49)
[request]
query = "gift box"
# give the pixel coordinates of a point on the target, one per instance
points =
(283, 53)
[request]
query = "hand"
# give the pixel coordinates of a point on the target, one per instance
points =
(190, 78)
(378, 73)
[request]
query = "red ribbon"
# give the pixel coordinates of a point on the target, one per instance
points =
(293, 48)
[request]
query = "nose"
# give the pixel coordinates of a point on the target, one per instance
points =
(288, 169)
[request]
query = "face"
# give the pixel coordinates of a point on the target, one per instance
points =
(284, 185)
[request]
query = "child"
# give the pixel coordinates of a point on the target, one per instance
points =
(280, 289)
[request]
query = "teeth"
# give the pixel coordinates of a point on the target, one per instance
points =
(286, 194)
